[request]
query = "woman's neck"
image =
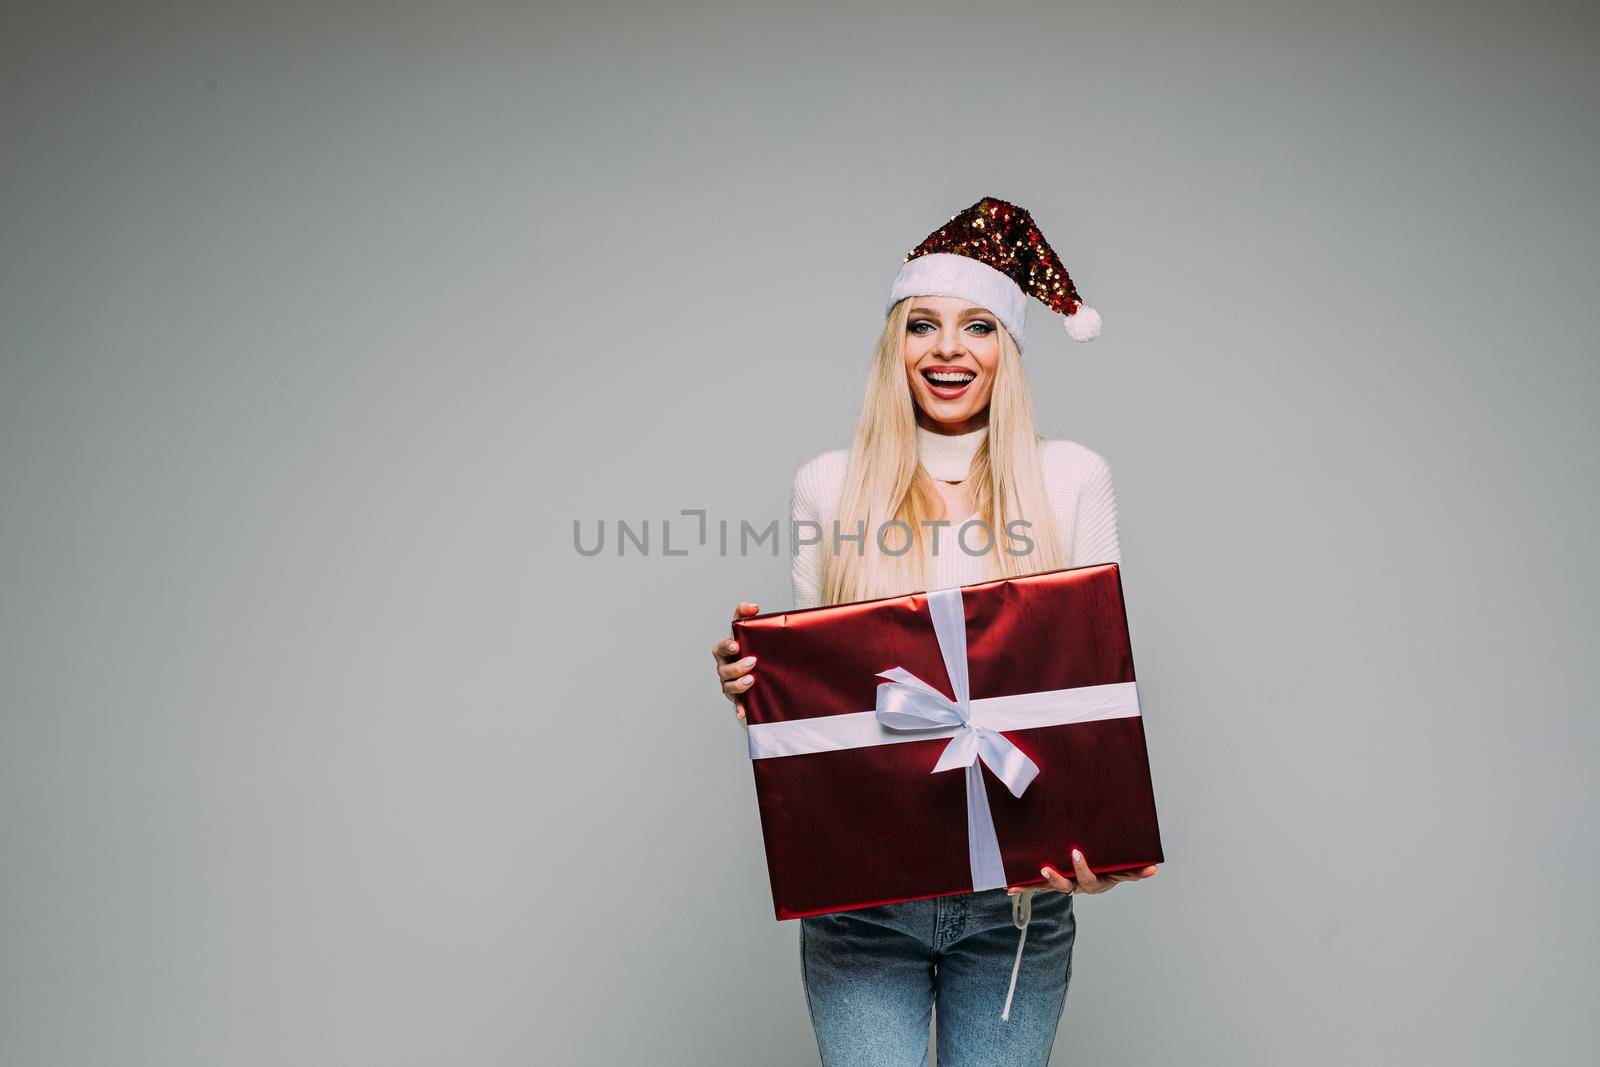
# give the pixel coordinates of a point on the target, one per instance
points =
(947, 456)
(965, 426)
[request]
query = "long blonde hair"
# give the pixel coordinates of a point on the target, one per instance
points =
(885, 481)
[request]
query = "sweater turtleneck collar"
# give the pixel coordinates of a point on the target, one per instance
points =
(948, 457)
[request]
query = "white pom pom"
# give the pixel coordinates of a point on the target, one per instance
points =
(1085, 325)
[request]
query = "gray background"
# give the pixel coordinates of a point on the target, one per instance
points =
(322, 323)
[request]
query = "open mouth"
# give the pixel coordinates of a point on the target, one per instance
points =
(947, 383)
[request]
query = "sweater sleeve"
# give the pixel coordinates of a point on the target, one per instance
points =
(1095, 531)
(805, 572)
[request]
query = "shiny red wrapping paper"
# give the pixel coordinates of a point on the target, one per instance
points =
(859, 827)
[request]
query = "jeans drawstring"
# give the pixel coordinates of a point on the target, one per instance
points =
(1021, 915)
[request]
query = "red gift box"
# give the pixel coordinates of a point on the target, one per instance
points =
(845, 748)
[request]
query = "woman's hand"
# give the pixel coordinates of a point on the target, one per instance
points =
(733, 672)
(1088, 881)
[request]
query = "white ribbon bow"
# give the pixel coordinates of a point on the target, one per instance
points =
(906, 702)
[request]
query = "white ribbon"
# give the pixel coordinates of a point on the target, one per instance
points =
(906, 702)
(909, 709)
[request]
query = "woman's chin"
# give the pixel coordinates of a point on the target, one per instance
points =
(950, 412)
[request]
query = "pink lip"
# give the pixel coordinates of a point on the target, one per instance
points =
(948, 392)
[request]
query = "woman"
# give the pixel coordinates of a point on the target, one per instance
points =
(947, 445)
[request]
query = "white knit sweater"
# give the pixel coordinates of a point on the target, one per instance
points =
(1083, 505)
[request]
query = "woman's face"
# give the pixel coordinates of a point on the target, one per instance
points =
(952, 350)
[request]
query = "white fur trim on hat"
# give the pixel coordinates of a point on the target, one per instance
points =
(949, 274)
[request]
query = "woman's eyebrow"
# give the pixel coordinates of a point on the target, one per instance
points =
(967, 314)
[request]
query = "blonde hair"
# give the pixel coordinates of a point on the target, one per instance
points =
(886, 482)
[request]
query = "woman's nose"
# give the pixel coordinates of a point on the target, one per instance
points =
(949, 343)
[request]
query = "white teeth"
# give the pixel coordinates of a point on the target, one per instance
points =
(953, 377)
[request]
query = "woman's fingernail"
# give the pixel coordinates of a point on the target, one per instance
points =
(748, 661)
(1077, 856)
(1047, 872)
(746, 680)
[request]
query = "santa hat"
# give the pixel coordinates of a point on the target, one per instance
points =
(994, 255)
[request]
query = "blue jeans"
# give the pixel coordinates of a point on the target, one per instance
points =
(873, 975)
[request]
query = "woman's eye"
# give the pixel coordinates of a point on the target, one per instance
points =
(917, 327)
(984, 327)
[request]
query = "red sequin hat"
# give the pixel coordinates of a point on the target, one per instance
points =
(993, 254)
